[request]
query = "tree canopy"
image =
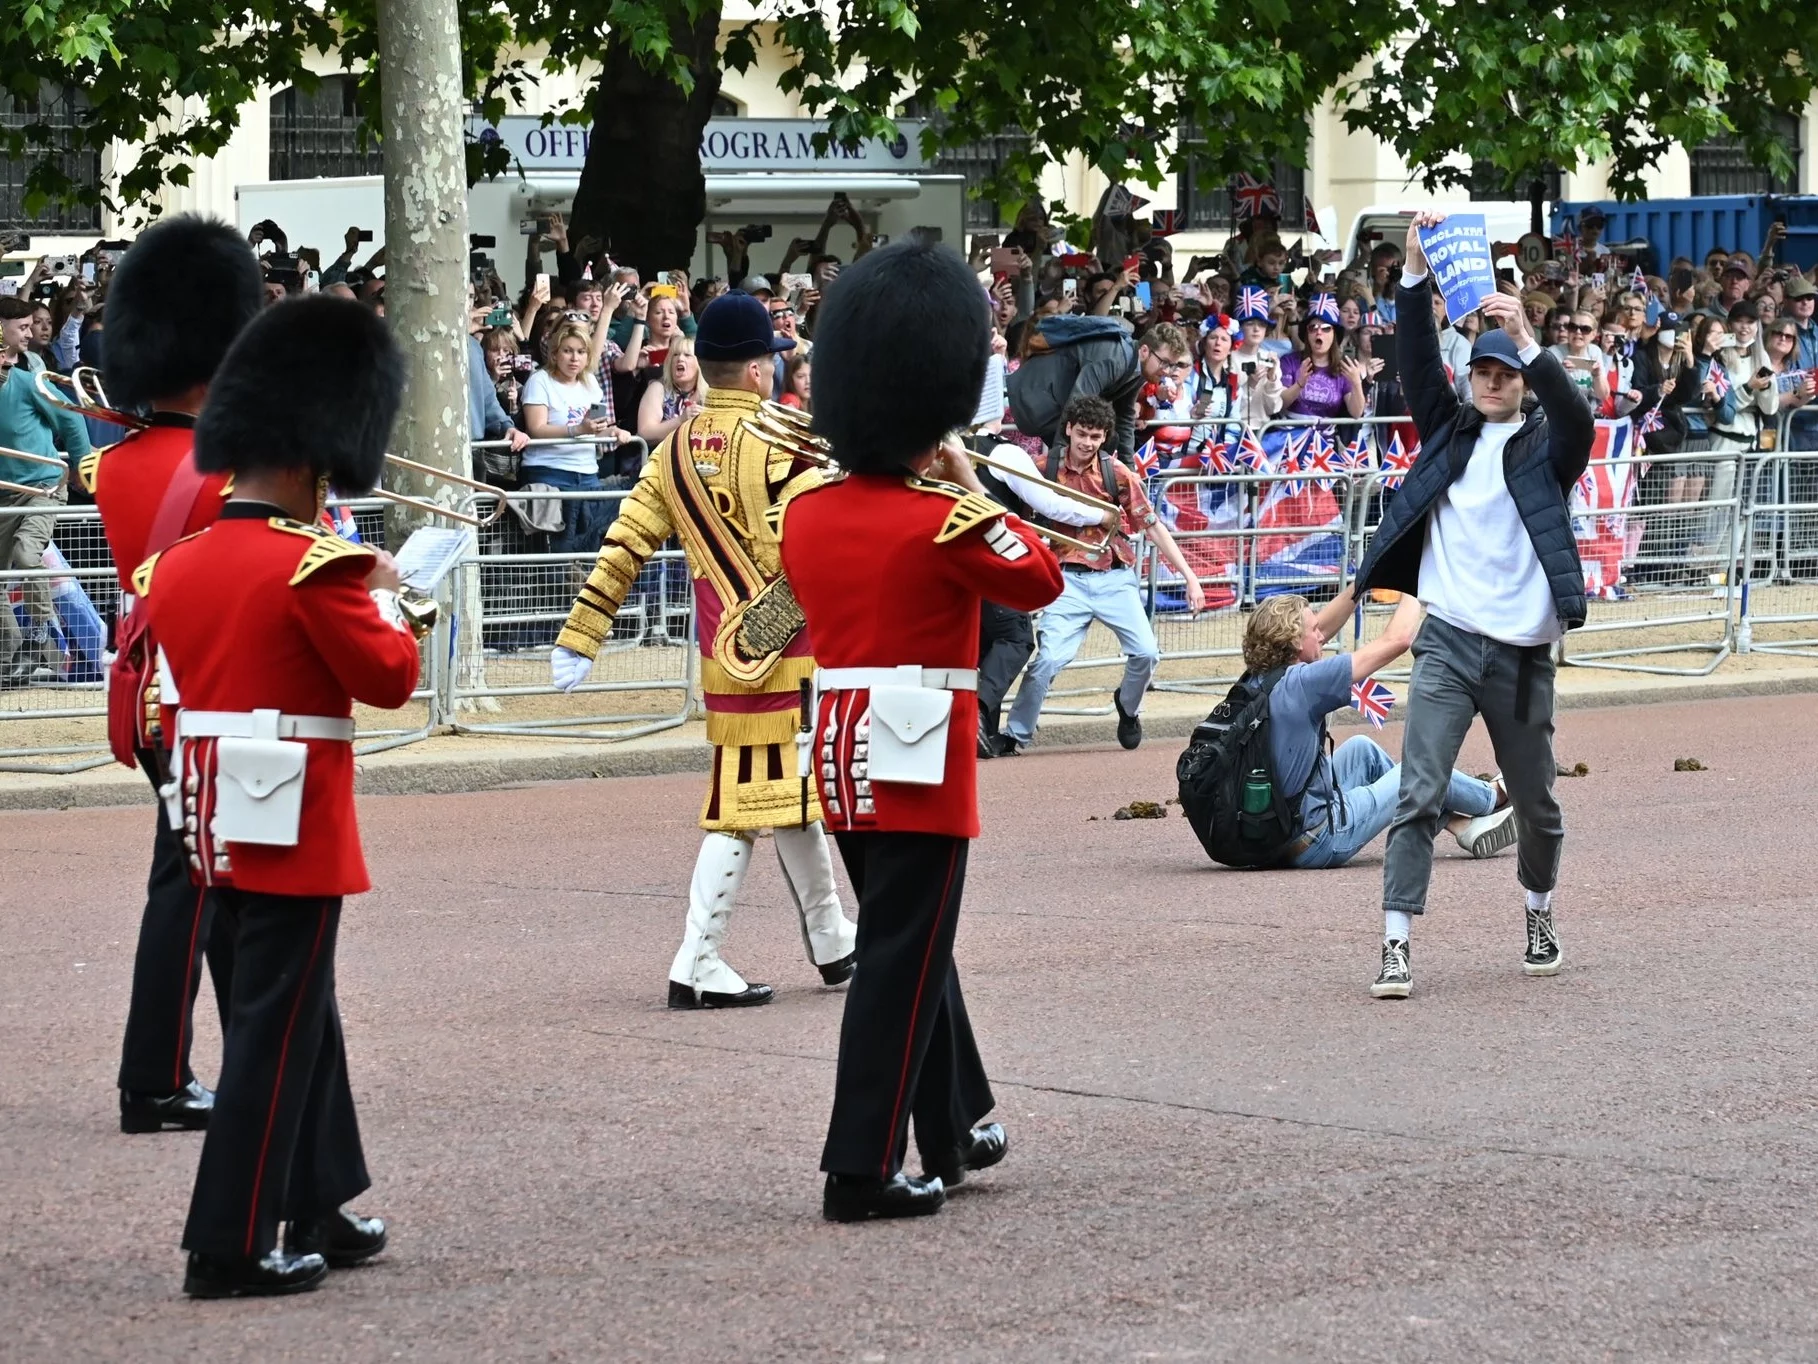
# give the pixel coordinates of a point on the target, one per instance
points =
(1521, 85)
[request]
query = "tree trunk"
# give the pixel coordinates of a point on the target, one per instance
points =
(426, 252)
(642, 191)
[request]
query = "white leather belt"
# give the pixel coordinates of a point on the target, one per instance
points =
(908, 675)
(261, 724)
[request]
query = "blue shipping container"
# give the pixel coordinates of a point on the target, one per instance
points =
(1695, 227)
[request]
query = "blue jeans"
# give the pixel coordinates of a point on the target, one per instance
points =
(1371, 782)
(1114, 596)
(583, 530)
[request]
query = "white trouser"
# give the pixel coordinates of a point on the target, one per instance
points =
(717, 873)
(808, 871)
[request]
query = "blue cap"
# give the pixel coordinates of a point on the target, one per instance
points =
(737, 327)
(1497, 345)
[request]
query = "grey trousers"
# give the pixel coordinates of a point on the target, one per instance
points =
(1459, 675)
(22, 542)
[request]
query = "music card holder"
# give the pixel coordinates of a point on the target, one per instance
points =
(909, 734)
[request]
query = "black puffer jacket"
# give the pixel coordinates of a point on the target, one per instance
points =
(1541, 462)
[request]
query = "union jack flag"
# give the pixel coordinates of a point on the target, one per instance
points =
(1250, 453)
(1310, 222)
(1566, 243)
(1720, 381)
(1398, 460)
(345, 525)
(1651, 421)
(1165, 222)
(1215, 457)
(1323, 458)
(1251, 198)
(1148, 463)
(1293, 461)
(1357, 451)
(1252, 302)
(1373, 700)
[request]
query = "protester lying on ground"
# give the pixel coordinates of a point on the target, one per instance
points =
(1347, 799)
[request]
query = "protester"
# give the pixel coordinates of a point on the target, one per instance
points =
(1101, 586)
(1344, 801)
(1092, 357)
(681, 393)
(1480, 531)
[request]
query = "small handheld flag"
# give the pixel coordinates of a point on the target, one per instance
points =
(1252, 198)
(1370, 698)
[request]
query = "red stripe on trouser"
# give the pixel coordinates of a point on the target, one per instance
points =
(189, 974)
(921, 984)
(277, 1085)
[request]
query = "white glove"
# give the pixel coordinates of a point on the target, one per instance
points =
(568, 669)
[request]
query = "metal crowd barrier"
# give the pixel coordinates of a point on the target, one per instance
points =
(1779, 592)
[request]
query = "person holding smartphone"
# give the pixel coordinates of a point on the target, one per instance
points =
(1583, 360)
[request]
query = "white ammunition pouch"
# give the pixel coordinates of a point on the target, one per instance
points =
(259, 770)
(911, 708)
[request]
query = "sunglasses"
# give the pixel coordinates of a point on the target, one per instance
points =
(1579, 328)
(782, 312)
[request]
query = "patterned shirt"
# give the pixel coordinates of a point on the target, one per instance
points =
(607, 356)
(1138, 515)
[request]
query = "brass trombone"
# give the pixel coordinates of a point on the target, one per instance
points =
(84, 405)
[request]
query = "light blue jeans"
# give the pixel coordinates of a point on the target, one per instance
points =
(1114, 596)
(1371, 782)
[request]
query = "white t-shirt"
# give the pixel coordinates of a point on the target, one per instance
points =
(1577, 369)
(1478, 568)
(566, 403)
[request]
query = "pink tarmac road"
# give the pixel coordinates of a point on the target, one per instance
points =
(1221, 1148)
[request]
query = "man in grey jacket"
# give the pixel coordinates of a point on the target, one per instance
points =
(1480, 532)
(1092, 357)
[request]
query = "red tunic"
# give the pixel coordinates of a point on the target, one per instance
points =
(890, 571)
(270, 614)
(128, 481)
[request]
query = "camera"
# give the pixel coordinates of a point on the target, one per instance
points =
(365, 235)
(477, 241)
(534, 227)
(1249, 367)
(753, 233)
(499, 317)
(479, 266)
(21, 242)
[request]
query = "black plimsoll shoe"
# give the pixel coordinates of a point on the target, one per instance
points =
(1129, 727)
(983, 1147)
(687, 997)
(252, 1276)
(857, 1198)
(187, 1109)
(1542, 957)
(839, 972)
(1396, 977)
(342, 1238)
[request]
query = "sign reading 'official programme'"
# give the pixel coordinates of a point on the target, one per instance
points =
(728, 144)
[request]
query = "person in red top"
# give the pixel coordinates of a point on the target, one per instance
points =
(180, 296)
(1102, 586)
(889, 565)
(270, 628)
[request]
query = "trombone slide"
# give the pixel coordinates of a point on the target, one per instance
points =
(1061, 489)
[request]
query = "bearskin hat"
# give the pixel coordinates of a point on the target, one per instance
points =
(900, 352)
(314, 382)
(181, 294)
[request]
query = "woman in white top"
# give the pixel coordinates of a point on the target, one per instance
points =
(1584, 361)
(1258, 368)
(563, 399)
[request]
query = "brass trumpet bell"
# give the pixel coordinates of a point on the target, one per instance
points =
(421, 612)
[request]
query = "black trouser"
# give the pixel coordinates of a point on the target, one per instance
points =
(282, 1143)
(906, 1045)
(181, 922)
(1006, 638)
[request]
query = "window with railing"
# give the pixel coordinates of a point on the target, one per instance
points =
(1492, 182)
(1724, 166)
(58, 109)
(317, 132)
(1209, 202)
(979, 162)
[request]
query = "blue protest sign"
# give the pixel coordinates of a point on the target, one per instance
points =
(1458, 253)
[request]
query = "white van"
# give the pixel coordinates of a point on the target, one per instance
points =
(1508, 221)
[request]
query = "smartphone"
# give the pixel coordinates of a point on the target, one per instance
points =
(1069, 288)
(597, 413)
(60, 265)
(365, 235)
(88, 271)
(1598, 279)
(794, 283)
(312, 283)
(542, 283)
(1383, 348)
(1145, 294)
(1004, 260)
(666, 290)
(1189, 293)
(499, 317)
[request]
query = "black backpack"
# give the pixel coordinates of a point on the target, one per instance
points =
(1227, 780)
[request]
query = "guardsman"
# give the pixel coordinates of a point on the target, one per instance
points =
(890, 565)
(716, 484)
(180, 296)
(269, 628)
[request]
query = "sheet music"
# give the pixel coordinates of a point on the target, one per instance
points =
(431, 552)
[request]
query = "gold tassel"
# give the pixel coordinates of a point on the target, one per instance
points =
(771, 727)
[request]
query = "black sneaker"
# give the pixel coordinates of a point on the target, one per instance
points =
(1542, 957)
(1129, 727)
(1397, 978)
(987, 741)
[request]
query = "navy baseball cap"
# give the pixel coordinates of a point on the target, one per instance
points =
(1498, 345)
(737, 327)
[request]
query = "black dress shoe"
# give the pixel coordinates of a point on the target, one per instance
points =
(854, 1198)
(252, 1276)
(1129, 727)
(987, 741)
(342, 1238)
(839, 972)
(687, 997)
(187, 1109)
(983, 1147)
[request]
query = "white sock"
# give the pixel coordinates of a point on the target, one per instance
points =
(1397, 924)
(1540, 899)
